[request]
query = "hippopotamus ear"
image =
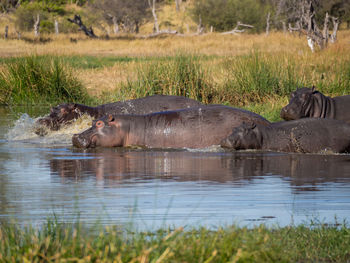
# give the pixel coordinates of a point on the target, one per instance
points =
(313, 89)
(249, 125)
(72, 107)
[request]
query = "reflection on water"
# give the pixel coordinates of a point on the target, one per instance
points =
(153, 188)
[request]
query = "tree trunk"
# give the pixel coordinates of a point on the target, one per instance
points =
(200, 27)
(268, 24)
(36, 25)
(325, 32)
(6, 31)
(284, 27)
(115, 25)
(335, 22)
(178, 4)
(56, 27)
(137, 27)
(153, 7)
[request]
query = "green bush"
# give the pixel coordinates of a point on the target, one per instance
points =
(47, 27)
(223, 15)
(26, 14)
(43, 80)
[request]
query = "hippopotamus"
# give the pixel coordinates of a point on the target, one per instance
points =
(309, 135)
(308, 102)
(65, 113)
(196, 127)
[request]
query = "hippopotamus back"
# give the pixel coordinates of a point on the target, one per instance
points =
(309, 135)
(310, 103)
(196, 127)
(146, 105)
(65, 113)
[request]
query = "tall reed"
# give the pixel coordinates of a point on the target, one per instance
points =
(255, 77)
(181, 75)
(39, 80)
(258, 77)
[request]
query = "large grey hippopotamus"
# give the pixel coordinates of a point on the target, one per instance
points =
(196, 127)
(309, 135)
(65, 113)
(306, 102)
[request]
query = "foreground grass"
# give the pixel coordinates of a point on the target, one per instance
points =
(57, 242)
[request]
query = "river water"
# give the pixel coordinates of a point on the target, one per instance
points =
(45, 176)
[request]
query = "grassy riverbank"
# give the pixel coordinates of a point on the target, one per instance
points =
(55, 242)
(249, 71)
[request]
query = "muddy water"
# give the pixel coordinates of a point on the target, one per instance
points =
(42, 176)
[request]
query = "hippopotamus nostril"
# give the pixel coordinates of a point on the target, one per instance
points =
(79, 142)
(75, 140)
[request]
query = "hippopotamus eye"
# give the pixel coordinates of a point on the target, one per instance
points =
(63, 111)
(304, 95)
(99, 124)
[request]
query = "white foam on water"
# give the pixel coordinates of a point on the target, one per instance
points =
(213, 148)
(24, 128)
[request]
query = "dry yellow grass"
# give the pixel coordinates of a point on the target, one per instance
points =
(209, 44)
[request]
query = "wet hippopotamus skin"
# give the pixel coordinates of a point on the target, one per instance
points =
(65, 113)
(309, 135)
(310, 103)
(196, 127)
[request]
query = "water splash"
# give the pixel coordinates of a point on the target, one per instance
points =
(213, 148)
(24, 129)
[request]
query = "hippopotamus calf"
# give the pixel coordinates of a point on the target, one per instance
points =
(66, 113)
(310, 135)
(196, 127)
(306, 103)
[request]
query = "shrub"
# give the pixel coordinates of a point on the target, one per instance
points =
(223, 15)
(25, 15)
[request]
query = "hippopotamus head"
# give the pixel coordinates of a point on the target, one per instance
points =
(299, 104)
(105, 132)
(60, 115)
(245, 136)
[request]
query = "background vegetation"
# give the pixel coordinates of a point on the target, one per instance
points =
(253, 71)
(130, 16)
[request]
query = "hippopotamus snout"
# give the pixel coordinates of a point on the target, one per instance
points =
(287, 113)
(80, 141)
(283, 113)
(228, 142)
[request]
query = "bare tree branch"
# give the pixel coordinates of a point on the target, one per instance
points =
(236, 30)
(88, 31)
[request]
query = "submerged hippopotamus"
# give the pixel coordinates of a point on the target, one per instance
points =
(196, 127)
(310, 135)
(65, 113)
(306, 102)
